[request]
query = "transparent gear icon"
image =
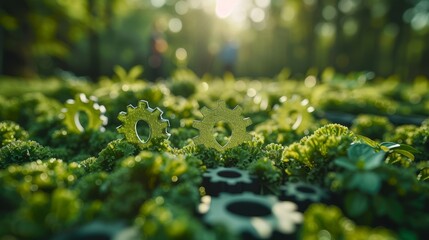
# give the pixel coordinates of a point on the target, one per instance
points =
(230, 176)
(294, 113)
(233, 118)
(153, 118)
(301, 191)
(248, 213)
(231, 180)
(82, 104)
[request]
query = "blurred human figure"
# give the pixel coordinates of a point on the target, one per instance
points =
(158, 45)
(228, 55)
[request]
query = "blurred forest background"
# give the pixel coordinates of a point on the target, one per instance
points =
(252, 38)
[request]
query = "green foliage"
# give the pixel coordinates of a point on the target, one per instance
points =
(382, 182)
(140, 177)
(328, 221)
(360, 161)
(311, 158)
(416, 136)
(36, 201)
(374, 127)
(10, 132)
(266, 171)
(159, 219)
(113, 153)
(19, 152)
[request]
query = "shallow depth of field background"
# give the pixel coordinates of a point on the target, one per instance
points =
(251, 38)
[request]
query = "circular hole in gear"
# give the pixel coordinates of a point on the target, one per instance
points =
(229, 174)
(223, 132)
(143, 131)
(305, 189)
(81, 119)
(248, 209)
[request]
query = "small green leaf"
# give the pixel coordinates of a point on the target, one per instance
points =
(374, 160)
(356, 203)
(357, 150)
(405, 153)
(390, 145)
(345, 163)
(367, 140)
(370, 182)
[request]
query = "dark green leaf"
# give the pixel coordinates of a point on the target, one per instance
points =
(356, 203)
(374, 160)
(370, 182)
(358, 150)
(345, 163)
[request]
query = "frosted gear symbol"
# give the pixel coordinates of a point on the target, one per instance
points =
(94, 112)
(294, 113)
(304, 192)
(153, 118)
(233, 118)
(252, 214)
(231, 180)
(230, 176)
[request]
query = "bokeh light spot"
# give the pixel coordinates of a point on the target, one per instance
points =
(257, 15)
(175, 25)
(181, 54)
(224, 8)
(263, 3)
(181, 7)
(310, 81)
(329, 12)
(157, 3)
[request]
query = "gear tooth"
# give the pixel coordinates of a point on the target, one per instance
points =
(93, 98)
(165, 123)
(122, 116)
(157, 112)
(82, 98)
(238, 109)
(197, 140)
(70, 101)
(102, 109)
(247, 122)
(120, 129)
(143, 104)
(198, 124)
(221, 104)
(130, 108)
(104, 120)
(205, 111)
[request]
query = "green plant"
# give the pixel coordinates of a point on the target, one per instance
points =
(311, 158)
(322, 221)
(10, 132)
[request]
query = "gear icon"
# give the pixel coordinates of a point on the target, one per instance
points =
(233, 118)
(153, 118)
(232, 180)
(252, 214)
(301, 191)
(94, 112)
(294, 113)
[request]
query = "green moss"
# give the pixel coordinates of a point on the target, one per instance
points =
(311, 158)
(322, 221)
(20, 152)
(10, 132)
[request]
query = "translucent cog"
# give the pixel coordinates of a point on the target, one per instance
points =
(233, 118)
(304, 192)
(94, 112)
(230, 176)
(294, 113)
(254, 214)
(153, 118)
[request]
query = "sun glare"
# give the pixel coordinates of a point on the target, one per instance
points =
(224, 8)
